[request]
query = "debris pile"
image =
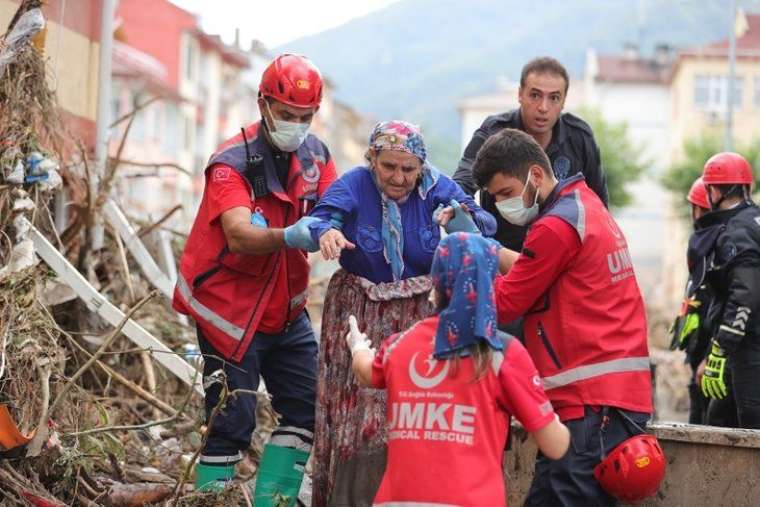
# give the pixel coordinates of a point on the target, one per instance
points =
(99, 399)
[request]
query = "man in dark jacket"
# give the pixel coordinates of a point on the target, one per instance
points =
(734, 279)
(566, 139)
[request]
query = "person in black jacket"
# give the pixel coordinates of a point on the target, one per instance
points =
(566, 139)
(734, 279)
(691, 331)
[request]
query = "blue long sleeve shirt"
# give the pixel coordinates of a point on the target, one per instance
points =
(353, 204)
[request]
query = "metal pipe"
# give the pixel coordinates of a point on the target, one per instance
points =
(731, 85)
(104, 110)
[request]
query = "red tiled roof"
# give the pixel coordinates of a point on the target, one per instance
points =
(623, 69)
(749, 40)
(748, 45)
(229, 54)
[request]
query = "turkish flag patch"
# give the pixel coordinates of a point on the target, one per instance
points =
(221, 174)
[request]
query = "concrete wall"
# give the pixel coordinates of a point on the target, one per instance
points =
(706, 466)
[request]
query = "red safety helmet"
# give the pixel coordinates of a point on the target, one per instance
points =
(293, 80)
(727, 168)
(698, 194)
(634, 470)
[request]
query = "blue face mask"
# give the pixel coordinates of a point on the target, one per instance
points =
(514, 211)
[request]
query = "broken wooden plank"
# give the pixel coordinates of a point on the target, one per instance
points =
(97, 303)
(136, 247)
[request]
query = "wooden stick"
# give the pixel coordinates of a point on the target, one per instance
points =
(106, 343)
(167, 216)
(139, 391)
(138, 426)
(41, 434)
(124, 265)
(154, 165)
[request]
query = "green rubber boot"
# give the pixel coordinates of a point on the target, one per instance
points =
(279, 477)
(213, 478)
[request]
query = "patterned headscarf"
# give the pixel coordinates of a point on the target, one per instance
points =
(399, 135)
(463, 271)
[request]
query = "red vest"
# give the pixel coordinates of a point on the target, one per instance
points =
(588, 333)
(228, 294)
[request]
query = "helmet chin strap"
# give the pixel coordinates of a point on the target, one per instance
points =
(715, 206)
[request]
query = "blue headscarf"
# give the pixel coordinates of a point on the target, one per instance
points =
(463, 271)
(399, 135)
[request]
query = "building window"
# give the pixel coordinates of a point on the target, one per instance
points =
(757, 92)
(190, 59)
(711, 92)
(171, 134)
(188, 133)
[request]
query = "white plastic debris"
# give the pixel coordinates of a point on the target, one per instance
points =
(23, 204)
(31, 22)
(16, 175)
(22, 257)
(52, 182)
(22, 227)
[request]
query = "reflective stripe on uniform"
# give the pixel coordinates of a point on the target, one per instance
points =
(497, 357)
(291, 441)
(573, 375)
(212, 318)
(221, 459)
(294, 429)
(581, 226)
(723, 327)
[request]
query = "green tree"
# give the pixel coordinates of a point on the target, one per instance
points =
(680, 176)
(621, 159)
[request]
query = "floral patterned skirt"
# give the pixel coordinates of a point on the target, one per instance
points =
(350, 435)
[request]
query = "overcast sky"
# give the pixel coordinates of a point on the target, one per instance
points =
(275, 22)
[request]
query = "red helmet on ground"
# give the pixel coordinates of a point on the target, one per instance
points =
(727, 168)
(698, 194)
(634, 470)
(293, 80)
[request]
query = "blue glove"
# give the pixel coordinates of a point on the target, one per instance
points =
(461, 222)
(298, 235)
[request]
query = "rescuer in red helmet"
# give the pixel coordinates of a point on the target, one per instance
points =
(244, 279)
(733, 276)
(690, 332)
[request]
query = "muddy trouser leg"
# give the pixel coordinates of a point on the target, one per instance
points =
(745, 372)
(570, 480)
(232, 427)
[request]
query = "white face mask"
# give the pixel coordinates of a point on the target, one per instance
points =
(514, 211)
(286, 135)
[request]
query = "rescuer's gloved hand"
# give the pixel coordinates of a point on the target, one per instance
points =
(298, 235)
(689, 326)
(713, 381)
(357, 340)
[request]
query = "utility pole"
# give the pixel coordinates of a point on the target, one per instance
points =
(104, 110)
(730, 92)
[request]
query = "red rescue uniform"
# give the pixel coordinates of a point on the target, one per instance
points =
(232, 296)
(585, 322)
(446, 431)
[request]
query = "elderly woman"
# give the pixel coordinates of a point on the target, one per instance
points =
(382, 222)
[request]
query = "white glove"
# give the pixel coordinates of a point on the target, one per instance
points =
(356, 340)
